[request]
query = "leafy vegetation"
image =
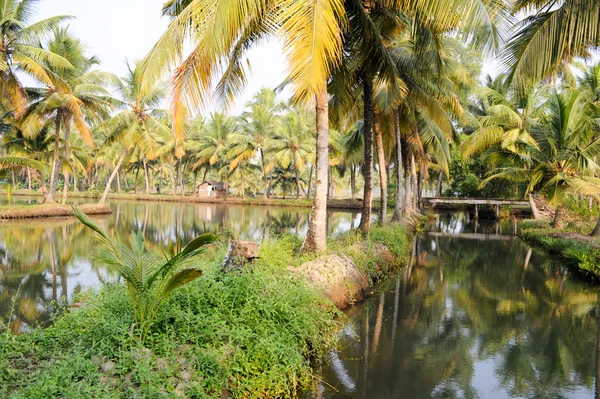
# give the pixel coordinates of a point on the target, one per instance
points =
(252, 333)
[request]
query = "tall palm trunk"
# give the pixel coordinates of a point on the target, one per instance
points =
(365, 221)
(297, 184)
(118, 182)
(415, 183)
(310, 175)
(75, 183)
(112, 176)
(56, 162)
(28, 179)
(439, 184)
(67, 155)
(407, 192)
(399, 173)
(181, 178)
(353, 181)
(262, 159)
(382, 174)
(316, 238)
(146, 175)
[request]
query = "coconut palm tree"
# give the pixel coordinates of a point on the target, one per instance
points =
(72, 98)
(561, 152)
(20, 51)
(212, 146)
(138, 126)
(550, 33)
(294, 143)
(258, 126)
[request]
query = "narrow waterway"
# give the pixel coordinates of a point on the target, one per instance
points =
(477, 314)
(43, 261)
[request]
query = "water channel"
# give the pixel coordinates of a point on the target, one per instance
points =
(45, 260)
(477, 314)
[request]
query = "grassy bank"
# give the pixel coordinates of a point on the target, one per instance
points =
(346, 203)
(49, 210)
(580, 251)
(251, 334)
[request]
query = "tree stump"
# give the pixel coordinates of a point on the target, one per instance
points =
(239, 254)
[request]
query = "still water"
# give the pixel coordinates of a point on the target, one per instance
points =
(476, 315)
(45, 260)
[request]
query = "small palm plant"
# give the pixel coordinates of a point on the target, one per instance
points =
(148, 280)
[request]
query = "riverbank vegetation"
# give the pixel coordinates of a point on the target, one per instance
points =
(251, 333)
(390, 90)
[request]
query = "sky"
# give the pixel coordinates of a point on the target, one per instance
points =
(120, 30)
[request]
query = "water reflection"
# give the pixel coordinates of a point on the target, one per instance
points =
(42, 261)
(471, 319)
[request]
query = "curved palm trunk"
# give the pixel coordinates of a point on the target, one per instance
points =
(56, 162)
(310, 175)
(365, 221)
(415, 183)
(534, 209)
(439, 184)
(29, 179)
(111, 178)
(382, 174)
(399, 173)
(316, 238)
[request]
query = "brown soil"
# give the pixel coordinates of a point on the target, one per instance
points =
(50, 210)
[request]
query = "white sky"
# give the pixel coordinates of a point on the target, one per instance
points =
(119, 30)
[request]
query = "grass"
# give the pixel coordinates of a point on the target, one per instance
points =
(251, 334)
(577, 250)
(48, 210)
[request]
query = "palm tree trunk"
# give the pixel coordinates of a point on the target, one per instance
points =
(407, 192)
(415, 183)
(146, 175)
(297, 184)
(382, 173)
(559, 218)
(67, 155)
(75, 183)
(173, 178)
(135, 181)
(352, 181)
(316, 238)
(439, 184)
(310, 175)
(181, 178)
(28, 179)
(262, 159)
(56, 162)
(399, 173)
(365, 221)
(534, 210)
(118, 182)
(112, 176)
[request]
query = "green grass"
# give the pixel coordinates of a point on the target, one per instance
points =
(577, 250)
(251, 333)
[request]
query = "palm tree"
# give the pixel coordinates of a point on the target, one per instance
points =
(72, 98)
(258, 127)
(220, 35)
(138, 126)
(214, 142)
(20, 51)
(561, 153)
(550, 33)
(295, 143)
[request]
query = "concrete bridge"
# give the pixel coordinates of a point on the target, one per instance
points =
(496, 203)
